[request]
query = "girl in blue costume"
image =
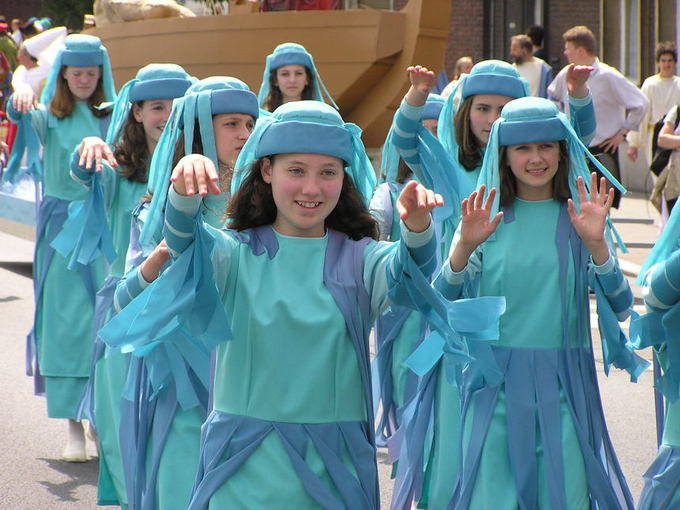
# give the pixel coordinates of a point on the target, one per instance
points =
(60, 344)
(103, 225)
(398, 329)
(659, 328)
(292, 420)
(429, 462)
(168, 384)
(290, 74)
(533, 429)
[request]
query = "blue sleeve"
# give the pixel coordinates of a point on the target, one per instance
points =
(79, 173)
(583, 119)
(179, 229)
(38, 118)
(128, 288)
(664, 289)
(405, 137)
(616, 288)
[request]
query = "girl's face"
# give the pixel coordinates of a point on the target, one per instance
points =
(306, 188)
(291, 81)
(431, 125)
(232, 130)
(534, 166)
(153, 115)
(82, 81)
(485, 109)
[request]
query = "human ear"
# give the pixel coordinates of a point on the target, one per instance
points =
(137, 112)
(266, 170)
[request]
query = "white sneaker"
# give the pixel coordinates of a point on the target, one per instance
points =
(74, 451)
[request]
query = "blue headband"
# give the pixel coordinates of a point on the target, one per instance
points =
(292, 54)
(78, 58)
(163, 88)
(486, 77)
(308, 127)
(433, 107)
(220, 92)
(531, 131)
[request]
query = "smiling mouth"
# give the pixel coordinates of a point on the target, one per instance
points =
(308, 205)
(537, 171)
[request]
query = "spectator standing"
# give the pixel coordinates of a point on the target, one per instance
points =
(7, 46)
(536, 34)
(619, 105)
(463, 66)
(533, 69)
(663, 92)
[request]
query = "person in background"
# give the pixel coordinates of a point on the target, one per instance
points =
(531, 68)
(619, 105)
(463, 66)
(536, 34)
(7, 46)
(663, 92)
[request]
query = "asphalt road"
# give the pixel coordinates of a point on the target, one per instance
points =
(33, 477)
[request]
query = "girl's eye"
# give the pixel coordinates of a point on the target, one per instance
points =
(250, 126)
(330, 173)
(295, 170)
(483, 109)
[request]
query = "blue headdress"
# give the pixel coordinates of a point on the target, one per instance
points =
(80, 51)
(535, 120)
(486, 77)
(308, 127)
(668, 242)
(205, 98)
(292, 54)
(154, 81)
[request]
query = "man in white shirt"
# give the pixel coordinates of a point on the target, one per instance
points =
(619, 105)
(532, 69)
(663, 92)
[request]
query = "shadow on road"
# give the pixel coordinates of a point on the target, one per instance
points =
(20, 268)
(78, 474)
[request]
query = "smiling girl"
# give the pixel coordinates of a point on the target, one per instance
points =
(533, 430)
(60, 345)
(290, 74)
(166, 401)
(139, 117)
(298, 279)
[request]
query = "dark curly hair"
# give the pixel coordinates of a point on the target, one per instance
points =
(253, 206)
(275, 97)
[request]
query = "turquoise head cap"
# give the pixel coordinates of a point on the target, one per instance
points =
(308, 127)
(205, 98)
(152, 82)
(486, 77)
(292, 54)
(536, 120)
(433, 107)
(80, 51)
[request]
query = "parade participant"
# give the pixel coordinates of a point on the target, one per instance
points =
(663, 92)
(161, 432)
(435, 483)
(35, 57)
(659, 329)
(60, 344)
(290, 74)
(533, 429)
(398, 329)
(291, 425)
(122, 162)
(619, 105)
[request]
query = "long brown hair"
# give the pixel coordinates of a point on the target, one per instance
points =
(253, 206)
(560, 183)
(275, 97)
(469, 149)
(64, 101)
(132, 152)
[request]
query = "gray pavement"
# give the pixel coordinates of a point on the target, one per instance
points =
(33, 477)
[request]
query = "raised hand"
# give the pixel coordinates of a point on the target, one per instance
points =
(476, 226)
(415, 204)
(577, 76)
(94, 149)
(590, 221)
(24, 100)
(193, 174)
(422, 83)
(153, 264)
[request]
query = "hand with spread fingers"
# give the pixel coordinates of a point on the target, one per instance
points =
(94, 150)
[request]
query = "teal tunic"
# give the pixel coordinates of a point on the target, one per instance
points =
(63, 327)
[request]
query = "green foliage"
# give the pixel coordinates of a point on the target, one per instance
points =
(68, 12)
